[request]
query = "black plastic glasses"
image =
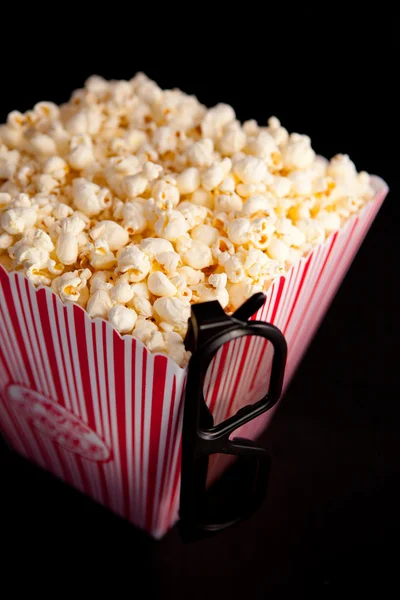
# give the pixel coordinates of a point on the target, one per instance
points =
(209, 329)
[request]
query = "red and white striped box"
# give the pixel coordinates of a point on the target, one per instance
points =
(103, 414)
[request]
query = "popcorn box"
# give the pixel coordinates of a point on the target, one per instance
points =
(105, 415)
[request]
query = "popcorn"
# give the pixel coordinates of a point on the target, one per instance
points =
(143, 306)
(216, 119)
(6, 240)
(165, 193)
(171, 225)
(200, 154)
(240, 292)
(175, 348)
(144, 329)
(342, 169)
(67, 244)
(313, 231)
(280, 186)
(156, 342)
(141, 290)
(203, 198)
(100, 304)
(198, 255)
(5, 199)
(121, 293)
(16, 220)
(188, 181)
(228, 203)
(298, 153)
(214, 175)
(112, 233)
(232, 140)
(204, 292)
(136, 202)
(330, 221)
(259, 205)
(81, 152)
(278, 250)
(169, 261)
(133, 263)
(234, 269)
(194, 215)
(205, 233)
(264, 146)
(250, 169)
(240, 231)
(191, 276)
(101, 256)
(154, 246)
(122, 318)
(70, 287)
(42, 144)
(89, 198)
(173, 311)
(133, 214)
(159, 284)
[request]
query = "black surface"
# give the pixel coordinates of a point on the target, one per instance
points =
(330, 524)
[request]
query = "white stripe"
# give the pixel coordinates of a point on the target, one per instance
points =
(138, 427)
(146, 432)
(29, 337)
(32, 315)
(166, 409)
(75, 358)
(108, 467)
(128, 425)
(114, 423)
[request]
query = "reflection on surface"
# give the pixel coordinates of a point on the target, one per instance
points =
(238, 375)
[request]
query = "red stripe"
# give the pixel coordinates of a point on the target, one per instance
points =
(86, 484)
(17, 329)
(133, 402)
(14, 420)
(3, 360)
(281, 285)
(261, 356)
(178, 467)
(66, 473)
(221, 366)
(71, 358)
(144, 364)
(105, 365)
(103, 483)
(239, 374)
(48, 338)
(119, 379)
(160, 371)
(67, 379)
(80, 331)
(96, 368)
(36, 364)
(101, 472)
(176, 483)
(306, 267)
(46, 456)
(167, 453)
(34, 321)
(314, 289)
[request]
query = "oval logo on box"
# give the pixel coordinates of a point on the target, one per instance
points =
(56, 422)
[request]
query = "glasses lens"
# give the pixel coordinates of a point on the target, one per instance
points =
(238, 375)
(231, 495)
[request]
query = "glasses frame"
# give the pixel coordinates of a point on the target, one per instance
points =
(209, 329)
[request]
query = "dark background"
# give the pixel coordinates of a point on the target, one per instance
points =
(331, 521)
